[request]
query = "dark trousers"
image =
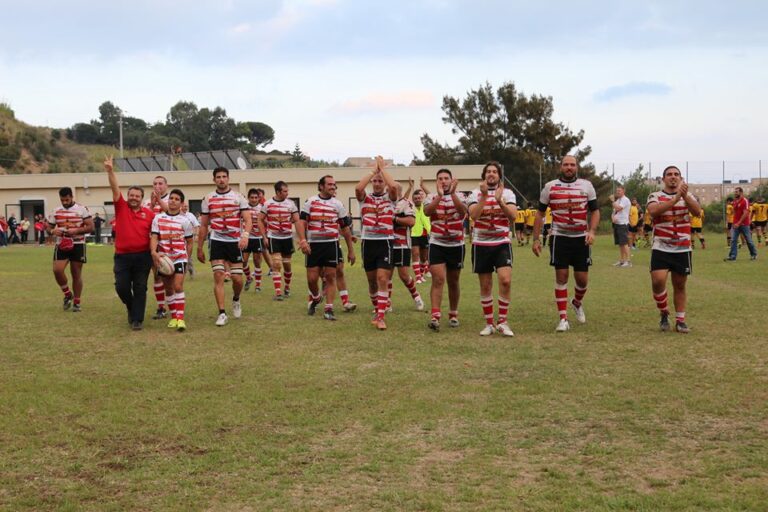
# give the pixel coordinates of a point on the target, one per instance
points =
(97, 235)
(131, 273)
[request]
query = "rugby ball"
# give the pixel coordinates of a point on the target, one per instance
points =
(164, 265)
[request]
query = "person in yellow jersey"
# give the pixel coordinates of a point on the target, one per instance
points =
(760, 217)
(547, 226)
(420, 235)
(697, 225)
(728, 219)
(634, 223)
(530, 220)
(647, 228)
(520, 225)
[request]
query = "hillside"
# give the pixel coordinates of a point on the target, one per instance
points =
(26, 149)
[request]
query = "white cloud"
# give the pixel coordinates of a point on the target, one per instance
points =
(241, 28)
(387, 101)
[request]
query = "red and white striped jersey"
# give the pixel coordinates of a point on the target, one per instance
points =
(172, 233)
(403, 208)
(672, 229)
(254, 212)
(157, 208)
(72, 217)
(447, 222)
(492, 227)
(568, 202)
(323, 217)
(278, 215)
(223, 211)
(378, 214)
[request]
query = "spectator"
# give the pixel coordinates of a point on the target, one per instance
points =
(3, 231)
(620, 219)
(741, 225)
(40, 230)
(97, 222)
(24, 230)
(13, 226)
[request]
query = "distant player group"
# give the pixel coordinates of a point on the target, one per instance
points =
(422, 234)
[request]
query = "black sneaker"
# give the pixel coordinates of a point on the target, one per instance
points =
(328, 315)
(682, 327)
(664, 322)
(753, 257)
(287, 293)
(67, 302)
(159, 314)
(312, 307)
(137, 326)
(729, 259)
(76, 308)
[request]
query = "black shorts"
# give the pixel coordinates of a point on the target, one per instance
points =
(226, 251)
(77, 254)
(566, 251)
(254, 246)
(677, 262)
(322, 254)
(376, 254)
(695, 230)
(528, 229)
(420, 241)
(519, 226)
(761, 223)
(633, 229)
(620, 234)
(283, 246)
(729, 226)
(547, 227)
(401, 257)
(647, 228)
(488, 258)
(180, 268)
(451, 257)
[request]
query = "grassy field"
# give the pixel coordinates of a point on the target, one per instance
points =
(278, 411)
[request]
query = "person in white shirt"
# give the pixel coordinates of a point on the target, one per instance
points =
(620, 219)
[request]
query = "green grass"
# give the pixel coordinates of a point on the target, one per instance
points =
(279, 411)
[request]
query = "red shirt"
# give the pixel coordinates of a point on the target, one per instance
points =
(739, 207)
(133, 226)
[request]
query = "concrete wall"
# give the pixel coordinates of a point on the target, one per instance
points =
(92, 189)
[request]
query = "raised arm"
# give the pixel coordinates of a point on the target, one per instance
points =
(110, 168)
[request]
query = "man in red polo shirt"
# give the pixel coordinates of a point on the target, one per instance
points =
(740, 225)
(133, 261)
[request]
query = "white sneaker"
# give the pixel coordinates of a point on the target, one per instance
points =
(349, 307)
(419, 304)
(504, 330)
(222, 320)
(453, 322)
(487, 330)
(626, 264)
(617, 264)
(563, 325)
(428, 275)
(237, 309)
(581, 317)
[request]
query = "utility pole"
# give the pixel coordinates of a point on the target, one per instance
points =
(120, 124)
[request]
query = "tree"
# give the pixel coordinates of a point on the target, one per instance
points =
(109, 127)
(514, 129)
(637, 186)
(297, 155)
(84, 133)
(258, 134)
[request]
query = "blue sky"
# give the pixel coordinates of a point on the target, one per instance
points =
(660, 82)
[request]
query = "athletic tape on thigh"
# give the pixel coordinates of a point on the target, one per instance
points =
(219, 267)
(236, 271)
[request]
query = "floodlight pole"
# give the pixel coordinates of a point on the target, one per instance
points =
(120, 124)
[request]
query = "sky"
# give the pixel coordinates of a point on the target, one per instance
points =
(651, 82)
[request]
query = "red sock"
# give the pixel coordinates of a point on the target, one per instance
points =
(578, 295)
(436, 314)
(160, 295)
(679, 316)
(247, 271)
(453, 314)
(661, 302)
(411, 285)
(561, 297)
(257, 277)
(487, 304)
(288, 276)
(344, 294)
(417, 270)
(381, 306)
(503, 309)
(76, 301)
(180, 302)
(65, 289)
(374, 300)
(277, 281)
(328, 307)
